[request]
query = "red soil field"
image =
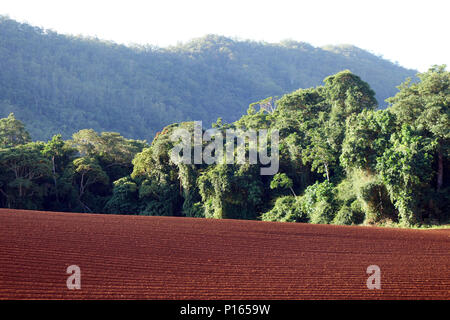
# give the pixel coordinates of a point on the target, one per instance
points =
(135, 257)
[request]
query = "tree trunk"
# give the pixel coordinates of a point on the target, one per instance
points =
(440, 170)
(54, 179)
(326, 170)
(381, 202)
(81, 186)
(6, 198)
(292, 190)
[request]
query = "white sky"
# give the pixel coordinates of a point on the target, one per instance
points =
(414, 33)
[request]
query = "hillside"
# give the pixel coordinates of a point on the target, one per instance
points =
(61, 84)
(132, 257)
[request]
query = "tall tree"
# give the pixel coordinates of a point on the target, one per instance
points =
(405, 168)
(54, 149)
(89, 172)
(367, 135)
(12, 132)
(23, 167)
(425, 105)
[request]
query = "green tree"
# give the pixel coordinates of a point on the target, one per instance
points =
(425, 106)
(319, 202)
(24, 171)
(320, 152)
(88, 172)
(125, 198)
(367, 135)
(54, 149)
(348, 94)
(231, 191)
(286, 209)
(405, 169)
(12, 132)
(281, 180)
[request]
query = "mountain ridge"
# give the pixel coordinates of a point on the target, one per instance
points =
(64, 83)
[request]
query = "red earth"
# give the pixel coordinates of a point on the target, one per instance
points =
(135, 257)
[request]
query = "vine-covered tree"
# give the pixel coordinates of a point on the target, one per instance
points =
(425, 106)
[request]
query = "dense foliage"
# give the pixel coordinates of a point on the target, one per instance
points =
(62, 84)
(342, 161)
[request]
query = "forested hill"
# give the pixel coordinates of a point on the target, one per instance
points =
(57, 83)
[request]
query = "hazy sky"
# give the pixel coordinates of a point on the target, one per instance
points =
(414, 33)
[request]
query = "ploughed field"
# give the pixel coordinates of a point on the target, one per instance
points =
(135, 257)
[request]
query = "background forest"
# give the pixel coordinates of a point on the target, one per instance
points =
(61, 84)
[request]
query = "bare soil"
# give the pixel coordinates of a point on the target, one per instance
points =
(135, 257)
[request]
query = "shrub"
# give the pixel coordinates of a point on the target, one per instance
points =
(323, 213)
(349, 215)
(319, 202)
(286, 209)
(125, 197)
(372, 197)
